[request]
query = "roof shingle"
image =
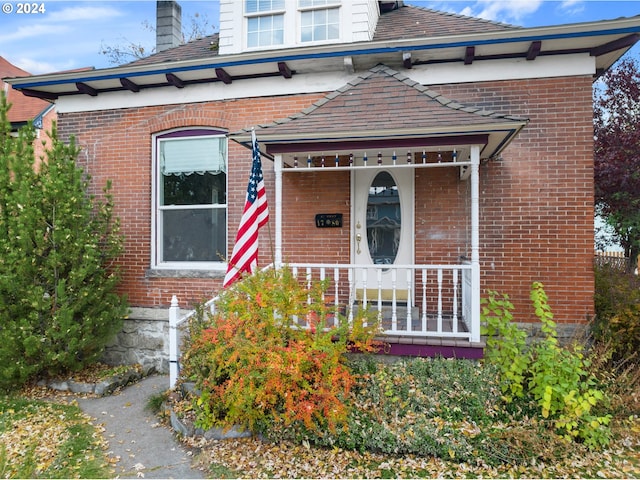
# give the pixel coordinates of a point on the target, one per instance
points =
(382, 99)
(201, 48)
(415, 22)
(403, 23)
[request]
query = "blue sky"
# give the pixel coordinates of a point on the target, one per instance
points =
(69, 34)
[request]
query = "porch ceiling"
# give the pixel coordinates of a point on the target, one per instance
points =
(385, 110)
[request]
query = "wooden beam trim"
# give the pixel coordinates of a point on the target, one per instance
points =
(129, 85)
(223, 76)
(284, 70)
(419, 142)
(618, 44)
(469, 55)
(534, 50)
(174, 80)
(38, 94)
(86, 89)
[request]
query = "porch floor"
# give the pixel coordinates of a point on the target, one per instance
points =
(404, 342)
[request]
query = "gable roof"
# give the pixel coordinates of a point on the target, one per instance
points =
(23, 108)
(382, 104)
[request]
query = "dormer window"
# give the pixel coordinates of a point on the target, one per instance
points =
(319, 20)
(265, 22)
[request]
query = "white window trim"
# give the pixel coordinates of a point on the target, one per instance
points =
(292, 25)
(156, 224)
(264, 13)
(331, 6)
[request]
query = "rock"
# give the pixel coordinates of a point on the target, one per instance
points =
(61, 385)
(226, 433)
(105, 387)
(181, 427)
(80, 387)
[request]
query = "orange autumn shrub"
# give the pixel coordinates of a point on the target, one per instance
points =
(273, 352)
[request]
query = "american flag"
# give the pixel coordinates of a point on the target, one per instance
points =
(256, 213)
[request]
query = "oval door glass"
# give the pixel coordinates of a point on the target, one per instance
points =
(383, 219)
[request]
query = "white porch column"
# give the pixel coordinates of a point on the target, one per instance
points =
(475, 243)
(277, 165)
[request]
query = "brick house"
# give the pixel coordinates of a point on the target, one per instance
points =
(26, 109)
(415, 158)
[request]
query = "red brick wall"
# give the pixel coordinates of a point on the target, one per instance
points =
(117, 145)
(304, 196)
(536, 203)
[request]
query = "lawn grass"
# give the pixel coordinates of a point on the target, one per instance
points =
(39, 439)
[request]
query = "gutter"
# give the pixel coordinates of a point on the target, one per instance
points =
(612, 27)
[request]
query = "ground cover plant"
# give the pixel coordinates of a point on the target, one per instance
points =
(532, 409)
(40, 439)
(447, 414)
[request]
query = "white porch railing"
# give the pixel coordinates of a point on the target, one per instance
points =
(423, 300)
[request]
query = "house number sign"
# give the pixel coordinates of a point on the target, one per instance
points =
(328, 220)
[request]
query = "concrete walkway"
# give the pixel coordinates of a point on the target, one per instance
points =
(144, 448)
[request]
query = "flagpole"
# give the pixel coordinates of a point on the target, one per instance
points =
(244, 257)
(271, 246)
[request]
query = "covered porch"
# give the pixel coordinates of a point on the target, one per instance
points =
(423, 308)
(393, 160)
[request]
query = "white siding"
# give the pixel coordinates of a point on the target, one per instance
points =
(364, 18)
(358, 20)
(231, 27)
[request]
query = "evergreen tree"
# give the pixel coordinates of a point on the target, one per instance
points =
(58, 301)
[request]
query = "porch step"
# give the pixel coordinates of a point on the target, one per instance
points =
(429, 347)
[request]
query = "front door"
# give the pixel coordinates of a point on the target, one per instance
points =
(382, 230)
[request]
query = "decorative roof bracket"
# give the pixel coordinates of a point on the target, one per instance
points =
(534, 50)
(129, 85)
(223, 76)
(348, 65)
(406, 60)
(284, 70)
(469, 55)
(174, 80)
(87, 89)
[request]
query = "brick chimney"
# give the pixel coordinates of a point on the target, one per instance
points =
(168, 25)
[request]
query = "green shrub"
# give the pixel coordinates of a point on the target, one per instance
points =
(506, 343)
(255, 366)
(58, 300)
(617, 306)
(556, 378)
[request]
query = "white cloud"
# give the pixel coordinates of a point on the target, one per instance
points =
(35, 67)
(572, 7)
(507, 11)
(90, 13)
(32, 31)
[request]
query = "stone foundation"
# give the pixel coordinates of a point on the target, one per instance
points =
(144, 340)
